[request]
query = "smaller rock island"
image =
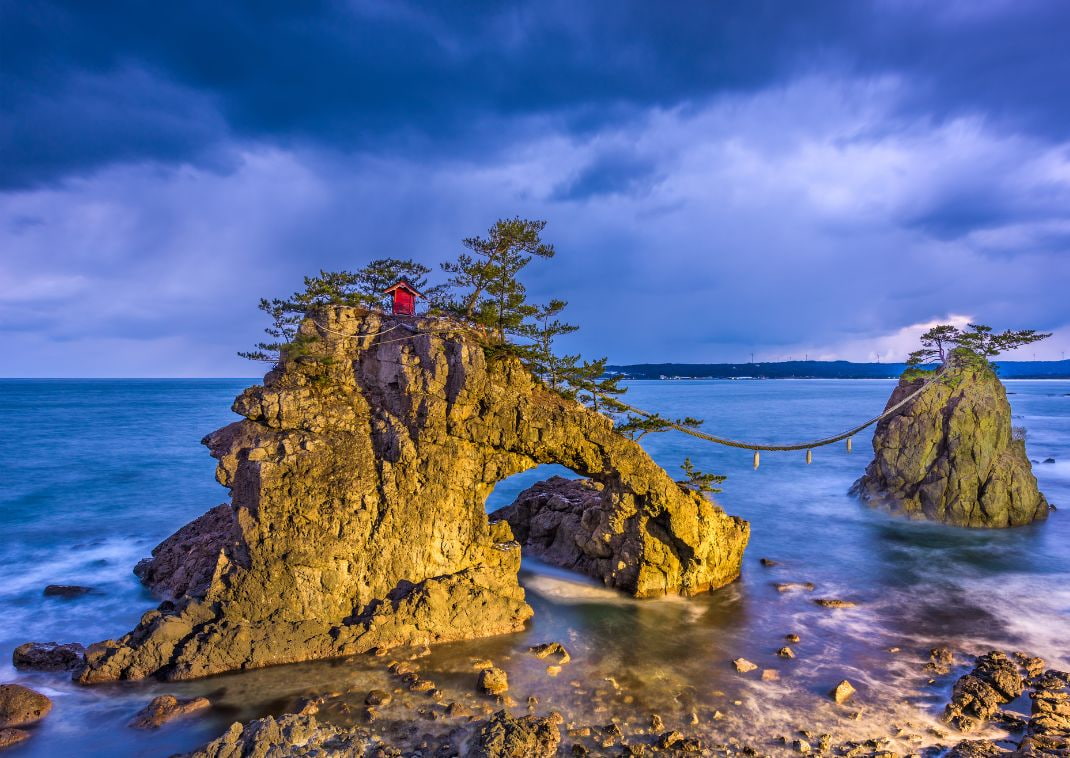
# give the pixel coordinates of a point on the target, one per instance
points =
(951, 455)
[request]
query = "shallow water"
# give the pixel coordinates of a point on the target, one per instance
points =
(97, 472)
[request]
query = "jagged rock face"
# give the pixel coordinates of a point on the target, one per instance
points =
(558, 521)
(358, 483)
(950, 455)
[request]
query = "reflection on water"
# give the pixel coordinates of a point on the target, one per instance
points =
(99, 472)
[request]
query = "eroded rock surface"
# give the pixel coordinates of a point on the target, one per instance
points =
(527, 737)
(287, 736)
(48, 656)
(358, 478)
(950, 455)
(165, 708)
(675, 541)
(977, 696)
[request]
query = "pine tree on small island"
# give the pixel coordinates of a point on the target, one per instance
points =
(950, 453)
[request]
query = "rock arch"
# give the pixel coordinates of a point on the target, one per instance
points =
(358, 478)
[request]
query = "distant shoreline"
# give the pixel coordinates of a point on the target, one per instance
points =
(817, 370)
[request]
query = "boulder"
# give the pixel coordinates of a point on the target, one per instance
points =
(977, 696)
(842, 692)
(21, 706)
(527, 737)
(48, 656)
(166, 708)
(949, 455)
(358, 480)
(292, 735)
(493, 681)
(646, 535)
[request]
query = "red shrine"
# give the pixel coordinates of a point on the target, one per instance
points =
(404, 298)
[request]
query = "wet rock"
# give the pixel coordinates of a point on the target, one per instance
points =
(770, 675)
(357, 477)
(1032, 665)
(786, 652)
(167, 708)
(950, 456)
(493, 681)
(48, 656)
(830, 602)
(975, 749)
(940, 659)
(12, 737)
(527, 737)
(551, 648)
(743, 665)
(378, 697)
(66, 590)
(21, 706)
(791, 637)
(842, 692)
(578, 524)
(184, 563)
(1048, 460)
(801, 746)
(794, 586)
(670, 739)
(289, 735)
(977, 696)
(656, 724)
(769, 562)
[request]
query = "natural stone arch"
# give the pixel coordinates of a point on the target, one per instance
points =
(358, 478)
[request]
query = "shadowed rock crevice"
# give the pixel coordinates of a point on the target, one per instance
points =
(950, 455)
(358, 480)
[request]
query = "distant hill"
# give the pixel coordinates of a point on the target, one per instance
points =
(819, 370)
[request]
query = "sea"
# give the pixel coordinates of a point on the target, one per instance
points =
(95, 473)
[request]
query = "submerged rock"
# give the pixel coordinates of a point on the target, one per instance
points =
(66, 590)
(166, 708)
(641, 533)
(21, 706)
(950, 456)
(48, 656)
(358, 479)
(12, 737)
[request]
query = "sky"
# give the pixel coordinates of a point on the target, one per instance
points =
(787, 180)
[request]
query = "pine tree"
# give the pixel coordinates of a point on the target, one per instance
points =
(543, 330)
(489, 292)
(637, 427)
(698, 481)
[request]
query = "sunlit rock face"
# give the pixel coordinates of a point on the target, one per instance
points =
(358, 478)
(950, 455)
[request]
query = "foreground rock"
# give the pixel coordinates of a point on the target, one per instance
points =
(358, 480)
(12, 737)
(977, 696)
(167, 708)
(21, 706)
(529, 737)
(49, 656)
(949, 455)
(289, 735)
(642, 533)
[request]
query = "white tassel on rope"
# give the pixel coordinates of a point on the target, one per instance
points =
(849, 444)
(809, 456)
(757, 459)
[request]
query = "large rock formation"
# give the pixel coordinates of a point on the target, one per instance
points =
(950, 454)
(561, 522)
(358, 479)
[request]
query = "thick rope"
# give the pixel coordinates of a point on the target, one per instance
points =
(757, 446)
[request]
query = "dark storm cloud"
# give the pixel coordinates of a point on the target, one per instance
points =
(86, 85)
